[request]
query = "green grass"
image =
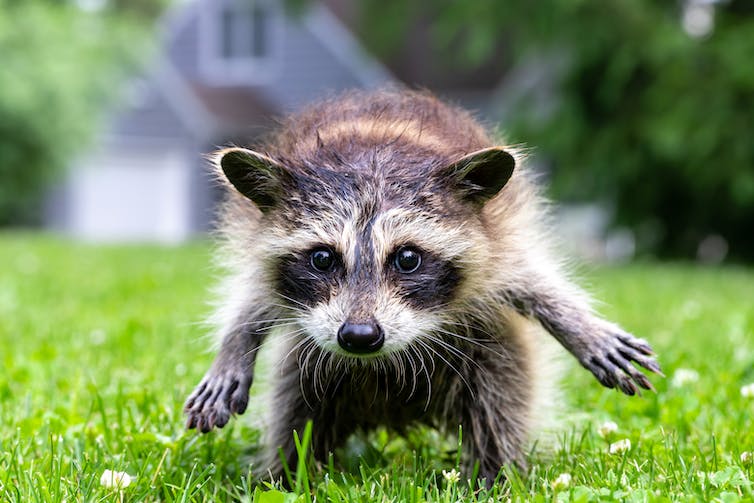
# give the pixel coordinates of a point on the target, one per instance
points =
(100, 345)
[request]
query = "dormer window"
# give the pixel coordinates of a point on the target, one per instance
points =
(241, 41)
(245, 31)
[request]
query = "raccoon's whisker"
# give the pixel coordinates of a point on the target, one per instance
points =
(288, 324)
(472, 341)
(453, 350)
(287, 307)
(291, 312)
(297, 302)
(306, 351)
(333, 367)
(389, 360)
(426, 370)
(450, 365)
(339, 373)
(258, 348)
(251, 351)
(304, 356)
(412, 364)
(317, 377)
(329, 364)
(315, 374)
(404, 370)
(380, 363)
(433, 364)
(295, 348)
(468, 329)
(388, 363)
(300, 349)
(402, 365)
(268, 329)
(288, 333)
(259, 322)
(396, 363)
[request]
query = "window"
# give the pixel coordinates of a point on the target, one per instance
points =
(241, 40)
(245, 31)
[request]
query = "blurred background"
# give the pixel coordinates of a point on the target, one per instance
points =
(638, 113)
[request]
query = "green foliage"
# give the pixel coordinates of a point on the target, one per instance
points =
(648, 119)
(101, 345)
(659, 123)
(60, 68)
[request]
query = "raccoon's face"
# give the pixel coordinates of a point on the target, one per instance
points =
(365, 267)
(371, 288)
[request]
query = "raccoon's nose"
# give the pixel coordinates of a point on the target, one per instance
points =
(361, 338)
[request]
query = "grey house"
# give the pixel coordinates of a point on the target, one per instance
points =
(225, 69)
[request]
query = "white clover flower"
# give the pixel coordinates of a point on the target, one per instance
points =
(180, 369)
(748, 390)
(562, 482)
(112, 478)
(682, 377)
(620, 446)
(606, 429)
(453, 476)
(747, 458)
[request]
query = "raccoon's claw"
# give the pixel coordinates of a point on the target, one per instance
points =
(612, 360)
(216, 399)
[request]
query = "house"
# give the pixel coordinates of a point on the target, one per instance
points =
(225, 68)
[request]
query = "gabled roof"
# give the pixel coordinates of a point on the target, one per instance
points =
(318, 55)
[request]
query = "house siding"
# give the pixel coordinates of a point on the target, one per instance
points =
(308, 72)
(146, 113)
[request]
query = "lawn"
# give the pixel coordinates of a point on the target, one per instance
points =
(100, 346)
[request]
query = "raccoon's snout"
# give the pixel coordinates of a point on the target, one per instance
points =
(361, 338)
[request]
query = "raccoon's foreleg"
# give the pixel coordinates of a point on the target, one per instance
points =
(602, 347)
(224, 390)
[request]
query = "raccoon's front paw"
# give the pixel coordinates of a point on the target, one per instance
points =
(216, 398)
(610, 360)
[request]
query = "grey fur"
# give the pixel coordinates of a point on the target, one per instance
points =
(328, 178)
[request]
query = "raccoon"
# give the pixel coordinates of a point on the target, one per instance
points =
(401, 257)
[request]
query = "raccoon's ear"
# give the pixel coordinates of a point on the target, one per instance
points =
(256, 176)
(483, 173)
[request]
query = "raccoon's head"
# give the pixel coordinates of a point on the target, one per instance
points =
(369, 259)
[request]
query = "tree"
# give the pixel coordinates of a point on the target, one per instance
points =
(60, 67)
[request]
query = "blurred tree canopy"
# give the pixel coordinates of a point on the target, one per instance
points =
(652, 120)
(59, 66)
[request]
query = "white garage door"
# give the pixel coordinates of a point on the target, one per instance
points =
(135, 196)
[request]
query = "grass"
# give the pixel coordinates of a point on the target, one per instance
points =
(100, 346)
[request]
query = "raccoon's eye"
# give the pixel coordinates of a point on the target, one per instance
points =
(322, 259)
(407, 259)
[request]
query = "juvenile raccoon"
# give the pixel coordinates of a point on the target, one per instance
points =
(399, 254)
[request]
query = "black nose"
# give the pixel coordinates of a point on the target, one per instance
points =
(361, 337)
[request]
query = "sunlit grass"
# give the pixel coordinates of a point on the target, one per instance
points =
(100, 346)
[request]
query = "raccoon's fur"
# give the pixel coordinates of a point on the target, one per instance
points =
(399, 253)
